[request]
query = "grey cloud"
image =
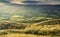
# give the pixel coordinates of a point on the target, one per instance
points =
(42, 1)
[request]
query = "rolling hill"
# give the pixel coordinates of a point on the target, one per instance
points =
(29, 19)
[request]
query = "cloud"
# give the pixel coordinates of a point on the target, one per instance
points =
(55, 2)
(52, 2)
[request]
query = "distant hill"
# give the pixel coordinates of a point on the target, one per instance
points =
(29, 11)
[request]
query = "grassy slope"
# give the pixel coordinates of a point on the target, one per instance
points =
(31, 28)
(26, 35)
(27, 28)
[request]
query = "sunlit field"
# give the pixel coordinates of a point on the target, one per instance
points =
(29, 21)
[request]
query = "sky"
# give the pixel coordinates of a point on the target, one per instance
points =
(52, 2)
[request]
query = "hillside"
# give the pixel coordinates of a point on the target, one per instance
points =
(29, 20)
(9, 10)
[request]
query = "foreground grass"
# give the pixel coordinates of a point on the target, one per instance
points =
(25, 35)
(41, 29)
(35, 29)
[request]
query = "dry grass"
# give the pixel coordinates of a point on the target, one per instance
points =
(30, 29)
(26, 35)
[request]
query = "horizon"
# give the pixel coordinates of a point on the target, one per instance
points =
(32, 2)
